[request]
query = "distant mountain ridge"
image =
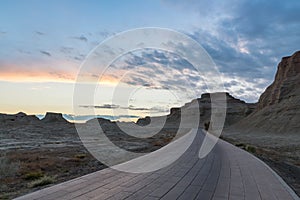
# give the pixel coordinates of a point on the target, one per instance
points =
(22, 118)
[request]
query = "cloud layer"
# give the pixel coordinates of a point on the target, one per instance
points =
(245, 38)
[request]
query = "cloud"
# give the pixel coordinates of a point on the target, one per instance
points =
(104, 106)
(61, 75)
(246, 39)
(105, 34)
(24, 51)
(37, 71)
(67, 50)
(158, 109)
(239, 71)
(79, 57)
(131, 107)
(81, 38)
(39, 33)
(157, 70)
(45, 53)
(72, 53)
(254, 32)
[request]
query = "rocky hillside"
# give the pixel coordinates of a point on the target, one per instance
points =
(236, 110)
(278, 109)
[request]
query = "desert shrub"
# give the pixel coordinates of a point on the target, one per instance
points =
(250, 149)
(7, 167)
(4, 196)
(80, 156)
(45, 180)
(33, 175)
(241, 145)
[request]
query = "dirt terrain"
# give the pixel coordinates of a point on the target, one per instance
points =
(39, 153)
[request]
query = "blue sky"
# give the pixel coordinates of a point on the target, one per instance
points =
(43, 44)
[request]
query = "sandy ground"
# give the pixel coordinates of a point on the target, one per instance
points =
(28, 153)
(31, 152)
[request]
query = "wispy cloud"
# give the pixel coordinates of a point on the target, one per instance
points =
(104, 106)
(39, 33)
(158, 109)
(81, 38)
(45, 53)
(38, 71)
(246, 39)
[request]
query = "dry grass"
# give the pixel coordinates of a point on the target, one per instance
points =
(7, 167)
(33, 175)
(45, 180)
(80, 156)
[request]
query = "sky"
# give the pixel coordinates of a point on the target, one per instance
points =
(43, 46)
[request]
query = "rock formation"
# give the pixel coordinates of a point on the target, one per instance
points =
(143, 121)
(54, 117)
(278, 109)
(236, 110)
(20, 118)
(286, 86)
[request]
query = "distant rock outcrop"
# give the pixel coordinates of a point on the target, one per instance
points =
(278, 109)
(54, 117)
(20, 118)
(143, 121)
(236, 110)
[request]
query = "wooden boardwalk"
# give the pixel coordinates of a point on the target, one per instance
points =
(226, 173)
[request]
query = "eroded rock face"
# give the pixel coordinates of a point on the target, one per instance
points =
(286, 85)
(54, 117)
(278, 109)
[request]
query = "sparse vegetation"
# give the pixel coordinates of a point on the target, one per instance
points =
(45, 180)
(80, 156)
(249, 148)
(7, 167)
(33, 175)
(35, 164)
(241, 145)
